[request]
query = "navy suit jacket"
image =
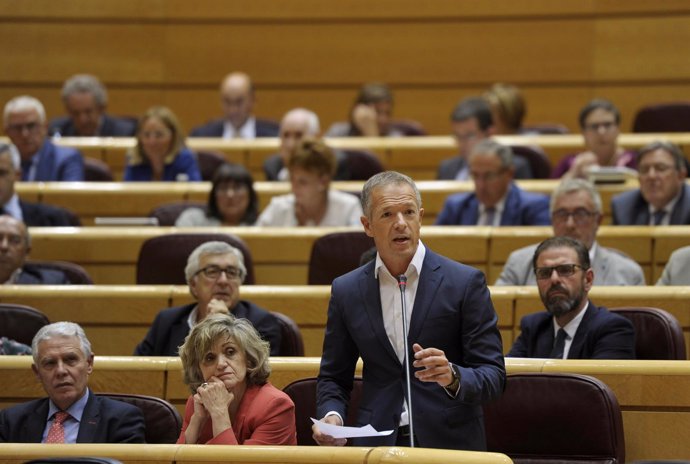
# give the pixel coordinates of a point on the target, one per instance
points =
(32, 275)
(104, 421)
(264, 128)
(521, 209)
(42, 215)
(450, 167)
(57, 164)
(170, 328)
(600, 335)
(452, 312)
(630, 208)
(110, 127)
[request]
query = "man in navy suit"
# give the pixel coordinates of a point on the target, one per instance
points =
(71, 413)
(496, 200)
(214, 273)
(454, 343)
(85, 100)
(663, 197)
(237, 101)
(572, 327)
(15, 246)
(41, 160)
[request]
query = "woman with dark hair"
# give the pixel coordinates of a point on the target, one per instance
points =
(232, 201)
(160, 154)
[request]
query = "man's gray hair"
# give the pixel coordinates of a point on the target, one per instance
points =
(61, 330)
(384, 179)
(212, 248)
(13, 153)
(85, 83)
(313, 125)
(24, 103)
(491, 147)
(575, 185)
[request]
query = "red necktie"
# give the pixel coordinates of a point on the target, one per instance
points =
(56, 434)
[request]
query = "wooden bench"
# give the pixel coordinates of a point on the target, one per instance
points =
(654, 396)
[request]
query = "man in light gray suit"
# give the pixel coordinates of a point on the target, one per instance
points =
(576, 213)
(677, 270)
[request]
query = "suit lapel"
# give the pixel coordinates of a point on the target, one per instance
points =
(510, 207)
(429, 280)
(369, 287)
(601, 265)
(472, 212)
(89, 420)
(682, 208)
(577, 346)
(544, 344)
(36, 425)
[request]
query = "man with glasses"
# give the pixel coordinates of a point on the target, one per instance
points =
(214, 272)
(572, 327)
(496, 200)
(25, 124)
(576, 213)
(663, 198)
(472, 122)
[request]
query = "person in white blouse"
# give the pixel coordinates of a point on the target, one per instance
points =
(312, 202)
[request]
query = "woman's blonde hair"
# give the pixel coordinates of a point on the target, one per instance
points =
(206, 334)
(169, 120)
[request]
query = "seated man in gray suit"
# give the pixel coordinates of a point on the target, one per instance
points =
(663, 197)
(472, 122)
(571, 327)
(677, 270)
(15, 245)
(576, 213)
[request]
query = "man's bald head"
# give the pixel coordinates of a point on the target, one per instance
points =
(295, 125)
(237, 98)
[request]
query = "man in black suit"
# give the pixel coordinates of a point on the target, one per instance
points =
(472, 122)
(571, 327)
(663, 197)
(71, 413)
(237, 101)
(85, 100)
(214, 272)
(32, 214)
(15, 245)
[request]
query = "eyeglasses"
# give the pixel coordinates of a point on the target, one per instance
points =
(659, 168)
(580, 216)
(19, 128)
(598, 126)
(213, 272)
(486, 176)
(563, 270)
(232, 187)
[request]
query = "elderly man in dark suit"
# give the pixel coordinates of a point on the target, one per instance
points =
(41, 160)
(214, 272)
(496, 200)
(85, 100)
(572, 327)
(455, 348)
(71, 413)
(237, 100)
(663, 197)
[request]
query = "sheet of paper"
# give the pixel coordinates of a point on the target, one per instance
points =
(337, 431)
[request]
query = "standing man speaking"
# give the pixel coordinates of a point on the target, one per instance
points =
(455, 346)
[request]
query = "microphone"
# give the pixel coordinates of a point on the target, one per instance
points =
(402, 285)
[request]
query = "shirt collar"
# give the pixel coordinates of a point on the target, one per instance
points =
(414, 266)
(247, 131)
(498, 207)
(191, 320)
(668, 208)
(571, 327)
(75, 411)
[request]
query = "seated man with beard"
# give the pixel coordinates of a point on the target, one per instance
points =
(572, 327)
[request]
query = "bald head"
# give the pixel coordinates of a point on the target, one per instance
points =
(295, 125)
(237, 98)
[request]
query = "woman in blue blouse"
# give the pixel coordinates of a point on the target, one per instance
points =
(160, 154)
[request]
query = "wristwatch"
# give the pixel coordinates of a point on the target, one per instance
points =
(453, 386)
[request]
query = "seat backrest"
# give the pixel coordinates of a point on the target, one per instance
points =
(546, 129)
(335, 254)
(208, 162)
(96, 170)
(291, 341)
(76, 274)
(163, 422)
(663, 117)
(538, 161)
(74, 460)
(303, 394)
(408, 127)
(555, 418)
(168, 213)
(658, 335)
(362, 164)
(162, 259)
(20, 323)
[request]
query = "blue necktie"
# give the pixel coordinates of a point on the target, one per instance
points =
(559, 346)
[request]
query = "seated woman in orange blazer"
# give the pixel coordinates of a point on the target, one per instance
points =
(225, 364)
